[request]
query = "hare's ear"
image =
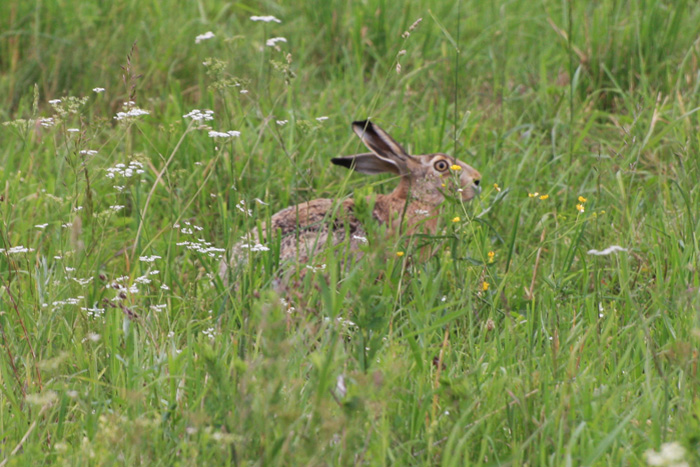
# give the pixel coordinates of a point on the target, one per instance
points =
(379, 142)
(367, 163)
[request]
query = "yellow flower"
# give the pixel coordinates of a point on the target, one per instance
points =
(498, 188)
(580, 207)
(491, 255)
(456, 219)
(443, 185)
(533, 195)
(399, 254)
(581, 199)
(544, 197)
(455, 167)
(485, 286)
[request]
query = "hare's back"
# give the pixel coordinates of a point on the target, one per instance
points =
(308, 215)
(308, 227)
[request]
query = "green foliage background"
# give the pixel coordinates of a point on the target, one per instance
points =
(540, 354)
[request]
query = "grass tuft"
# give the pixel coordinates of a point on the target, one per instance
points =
(557, 322)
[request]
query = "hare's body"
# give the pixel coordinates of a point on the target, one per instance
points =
(413, 206)
(306, 228)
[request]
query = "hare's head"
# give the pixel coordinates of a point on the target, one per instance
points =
(427, 178)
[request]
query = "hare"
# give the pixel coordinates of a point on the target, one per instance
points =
(414, 203)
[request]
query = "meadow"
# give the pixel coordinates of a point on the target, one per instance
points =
(557, 324)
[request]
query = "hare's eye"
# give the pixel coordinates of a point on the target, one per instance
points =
(441, 165)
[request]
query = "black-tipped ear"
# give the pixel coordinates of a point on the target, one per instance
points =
(343, 161)
(378, 141)
(367, 163)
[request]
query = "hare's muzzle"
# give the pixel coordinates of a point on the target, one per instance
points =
(471, 183)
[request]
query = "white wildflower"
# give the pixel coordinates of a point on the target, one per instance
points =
(73, 130)
(203, 37)
(241, 207)
(127, 171)
(93, 337)
(45, 398)
(671, 455)
(46, 122)
(199, 116)
(256, 247)
(345, 323)
(41, 226)
(265, 19)
(83, 282)
(272, 42)
(282, 122)
(142, 280)
(607, 251)
(132, 113)
(98, 90)
(203, 247)
(88, 152)
(16, 249)
(94, 312)
(287, 305)
(228, 134)
(149, 259)
(210, 333)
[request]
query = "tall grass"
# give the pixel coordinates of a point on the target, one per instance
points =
(515, 344)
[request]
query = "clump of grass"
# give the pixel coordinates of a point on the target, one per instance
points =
(556, 322)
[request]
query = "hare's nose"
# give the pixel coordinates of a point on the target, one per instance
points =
(477, 188)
